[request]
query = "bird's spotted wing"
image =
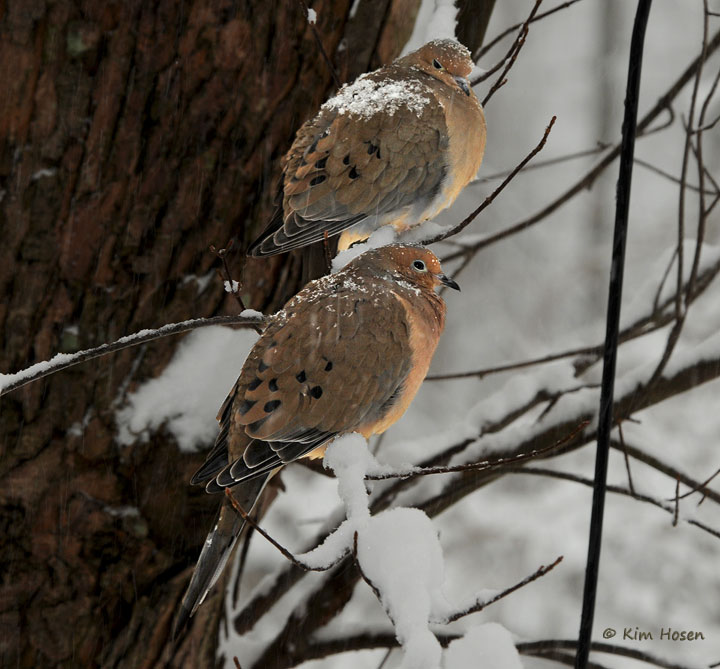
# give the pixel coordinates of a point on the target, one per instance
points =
(347, 167)
(331, 364)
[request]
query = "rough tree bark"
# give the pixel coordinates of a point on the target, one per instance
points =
(132, 136)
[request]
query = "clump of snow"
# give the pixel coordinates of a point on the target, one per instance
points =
(400, 554)
(476, 72)
(186, 397)
(252, 313)
(381, 237)
(231, 287)
(366, 97)
(350, 459)
(488, 645)
(425, 230)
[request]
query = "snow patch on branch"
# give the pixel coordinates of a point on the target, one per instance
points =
(399, 554)
(488, 645)
(185, 398)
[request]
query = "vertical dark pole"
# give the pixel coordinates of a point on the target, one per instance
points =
(611, 333)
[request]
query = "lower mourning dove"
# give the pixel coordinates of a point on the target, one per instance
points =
(395, 147)
(346, 354)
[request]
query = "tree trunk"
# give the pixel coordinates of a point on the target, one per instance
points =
(132, 136)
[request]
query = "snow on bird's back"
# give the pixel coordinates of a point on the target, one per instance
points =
(367, 96)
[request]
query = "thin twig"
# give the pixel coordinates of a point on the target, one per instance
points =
(663, 279)
(62, 361)
(535, 647)
(480, 605)
(485, 48)
(702, 210)
(659, 465)
(512, 51)
(364, 577)
(681, 307)
(479, 466)
(513, 54)
(386, 657)
(617, 490)
(222, 255)
(700, 487)
(662, 104)
(626, 457)
(488, 200)
(669, 177)
(546, 163)
(324, 54)
(285, 552)
(228, 278)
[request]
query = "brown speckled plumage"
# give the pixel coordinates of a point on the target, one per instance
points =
(348, 353)
(395, 147)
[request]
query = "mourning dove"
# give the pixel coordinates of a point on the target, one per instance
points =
(346, 354)
(395, 147)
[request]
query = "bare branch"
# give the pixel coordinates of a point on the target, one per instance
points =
(478, 466)
(656, 320)
(488, 200)
(480, 605)
(284, 551)
(481, 52)
(321, 48)
(586, 181)
(511, 57)
(64, 360)
(672, 472)
(538, 648)
(566, 476)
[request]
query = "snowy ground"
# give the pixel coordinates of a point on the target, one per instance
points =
(536, 293)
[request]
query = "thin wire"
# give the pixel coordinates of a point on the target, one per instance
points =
(605, 420)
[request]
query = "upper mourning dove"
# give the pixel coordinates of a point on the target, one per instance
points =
(395, 147)
(347, 353)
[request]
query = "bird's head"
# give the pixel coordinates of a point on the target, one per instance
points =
(415, 265)
(445, 60)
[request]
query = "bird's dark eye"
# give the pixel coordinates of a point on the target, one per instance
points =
(436, 64)
(419, 265)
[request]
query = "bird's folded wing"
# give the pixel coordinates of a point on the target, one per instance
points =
(345, 168)
(330, 365)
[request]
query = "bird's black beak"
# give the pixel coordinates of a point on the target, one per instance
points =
(446, 281)
(464, 84)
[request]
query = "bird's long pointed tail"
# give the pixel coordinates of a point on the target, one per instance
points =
(217, 549)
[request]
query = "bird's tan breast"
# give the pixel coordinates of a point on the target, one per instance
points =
(466, 141)
(426, 322)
